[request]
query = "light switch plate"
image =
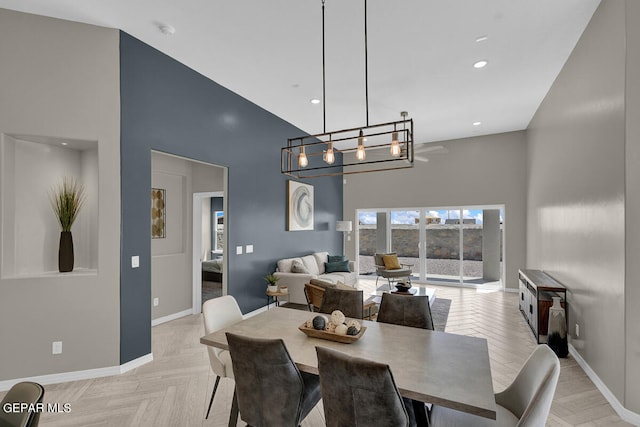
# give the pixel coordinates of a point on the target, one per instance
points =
(56, 347)
(238, 250)
(249, 249)
(135, 261)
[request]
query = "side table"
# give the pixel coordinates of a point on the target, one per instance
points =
(275, 295)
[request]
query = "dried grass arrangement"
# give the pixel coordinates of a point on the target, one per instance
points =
(67, 198)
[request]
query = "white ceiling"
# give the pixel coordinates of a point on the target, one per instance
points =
(421, 54)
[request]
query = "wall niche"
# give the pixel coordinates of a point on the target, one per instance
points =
(30, 166)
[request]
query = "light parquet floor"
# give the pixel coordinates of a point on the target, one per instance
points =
(174, 389)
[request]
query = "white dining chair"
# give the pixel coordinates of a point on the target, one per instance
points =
(524, 403)
(218, 313)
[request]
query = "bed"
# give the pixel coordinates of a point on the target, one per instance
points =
(212, 270)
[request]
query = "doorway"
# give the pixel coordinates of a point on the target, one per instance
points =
(176, 232)
(208, 247)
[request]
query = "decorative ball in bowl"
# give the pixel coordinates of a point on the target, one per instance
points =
(403, 287)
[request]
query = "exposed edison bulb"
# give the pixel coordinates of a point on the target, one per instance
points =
(360, 154)
(302, 158)
(395, 147)
(329, 156)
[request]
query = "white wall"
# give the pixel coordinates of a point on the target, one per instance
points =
(487, 170)
(61, 79)
(576, 192)
(632, 205)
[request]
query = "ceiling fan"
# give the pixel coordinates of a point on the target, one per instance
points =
(427, 148)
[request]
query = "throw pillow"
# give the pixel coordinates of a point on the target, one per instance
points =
(336, 258)
(335, 267)
(298, 267)
(391, 262)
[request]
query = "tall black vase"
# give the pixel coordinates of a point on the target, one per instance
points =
(65, 252)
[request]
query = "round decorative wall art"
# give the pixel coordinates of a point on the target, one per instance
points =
(300, 206)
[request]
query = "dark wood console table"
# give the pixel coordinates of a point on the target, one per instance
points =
(535, 298)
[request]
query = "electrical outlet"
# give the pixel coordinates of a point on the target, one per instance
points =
(56, 347)
(577, 330)
(156, 302)
(135, 261)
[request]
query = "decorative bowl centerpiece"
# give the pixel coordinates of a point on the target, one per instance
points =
(403, 286)
(337, 328)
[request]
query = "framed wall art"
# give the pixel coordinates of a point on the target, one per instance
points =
(158, 212)
(299, 206)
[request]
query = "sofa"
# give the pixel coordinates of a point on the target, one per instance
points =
(295, 272)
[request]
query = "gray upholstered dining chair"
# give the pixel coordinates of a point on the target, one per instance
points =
(413, 311)
(359, 392)
(391, 274)
(524, 403)
(347, 301)
(23, 392)
(270, 390)
(218, 313)
(406, 310)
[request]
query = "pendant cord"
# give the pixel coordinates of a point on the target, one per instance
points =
(324, 95)
(366, 64)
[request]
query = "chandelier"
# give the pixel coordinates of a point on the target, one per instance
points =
(369, 148)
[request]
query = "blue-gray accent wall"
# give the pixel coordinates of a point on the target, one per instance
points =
(168, 107)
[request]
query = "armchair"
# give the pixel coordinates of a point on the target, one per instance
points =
(392, 275)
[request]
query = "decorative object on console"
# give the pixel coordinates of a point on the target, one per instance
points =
(557, 330)
(272, 280)
(66, 200)
(158, 213)
(299, 206)
(312, 156)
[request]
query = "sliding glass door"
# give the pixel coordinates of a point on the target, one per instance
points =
(456, 245)
(442, 243)
(405, 238)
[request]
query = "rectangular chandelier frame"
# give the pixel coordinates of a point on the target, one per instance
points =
(315, 147)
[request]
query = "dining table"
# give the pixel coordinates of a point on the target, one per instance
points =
(440, 368)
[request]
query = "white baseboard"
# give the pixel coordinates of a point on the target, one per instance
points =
(624, 413)
(259, 310)
(174, 316)
(512, 290)
(80, 375)
(132, 364)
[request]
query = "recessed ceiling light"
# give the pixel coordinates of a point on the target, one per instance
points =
(315, 101)
(64, 143)
(480, 64)
(477, 123)
(481, 38)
